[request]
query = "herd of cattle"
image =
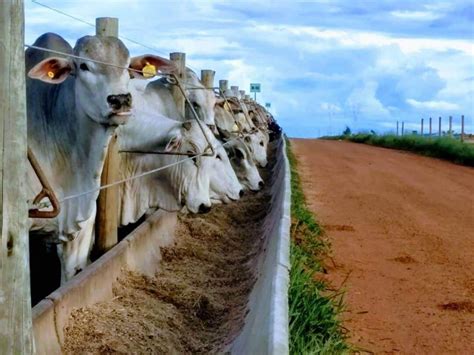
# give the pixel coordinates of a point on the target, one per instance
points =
(75, 103)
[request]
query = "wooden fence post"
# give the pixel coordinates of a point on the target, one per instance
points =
(106, 26)
(180, 61)
(450, 126)
(235, 91)
(16, 335)
(223, 85)
(108, 202)
(207, 78)
(439, 127)
(422, 121)
(462, 128)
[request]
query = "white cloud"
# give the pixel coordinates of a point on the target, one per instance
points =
(416, 15)
(362, 39)
(333, 108)
(433, 105)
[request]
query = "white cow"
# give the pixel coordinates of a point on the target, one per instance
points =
(193, 183)
(73, 109)
(159, 95)
(243, 164)
(184, 184)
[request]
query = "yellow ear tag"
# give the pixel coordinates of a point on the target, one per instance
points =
(149, 70)
(51, 74)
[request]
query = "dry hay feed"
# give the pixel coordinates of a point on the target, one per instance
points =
(196, 303)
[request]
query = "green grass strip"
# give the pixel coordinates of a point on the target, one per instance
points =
(446, 148)
(315, 327)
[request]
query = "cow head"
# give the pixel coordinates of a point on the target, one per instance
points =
(225, 122)
(202, 99)
(224, 184)
(257, 146)
(101, 91)
(190, 179)
(244, 165)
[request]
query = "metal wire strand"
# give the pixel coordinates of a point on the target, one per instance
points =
(103, 187)
(92, 25)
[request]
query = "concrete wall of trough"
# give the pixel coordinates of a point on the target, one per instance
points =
(139, 252)
(266, 325)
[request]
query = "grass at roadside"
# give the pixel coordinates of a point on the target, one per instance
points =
(314, 310)
(444, 148)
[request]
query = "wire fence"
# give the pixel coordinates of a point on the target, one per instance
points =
(171, 79)
(157, 51)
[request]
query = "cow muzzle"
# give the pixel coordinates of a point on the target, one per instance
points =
(120, 106)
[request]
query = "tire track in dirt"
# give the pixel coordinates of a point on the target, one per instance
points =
(402, 230)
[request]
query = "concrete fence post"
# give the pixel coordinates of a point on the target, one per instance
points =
(422, 121)
(403, 128)
(180, 60)
(108, 202)
(462, 128)
(397, 128)
(235, 91)
(223, 85)
(16, 335)
(430, 126)
(450, 126)
(207, 78)
(106, 26)
(439, 127)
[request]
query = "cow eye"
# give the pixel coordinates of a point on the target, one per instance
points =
(261, 143)
(193, 156)
(84, 67)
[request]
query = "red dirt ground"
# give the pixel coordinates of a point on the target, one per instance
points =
(402, 233)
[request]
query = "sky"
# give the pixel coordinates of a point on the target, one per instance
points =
(323, 65)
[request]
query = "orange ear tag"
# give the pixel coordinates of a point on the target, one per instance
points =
(51, 74)
(149, 70)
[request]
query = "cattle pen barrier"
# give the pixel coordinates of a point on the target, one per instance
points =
(266, 325)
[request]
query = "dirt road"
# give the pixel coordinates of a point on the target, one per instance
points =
(402, 230)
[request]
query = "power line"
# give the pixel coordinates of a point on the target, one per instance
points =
(93, 25)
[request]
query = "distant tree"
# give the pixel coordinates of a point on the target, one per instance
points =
(373, 132)
(347, 131)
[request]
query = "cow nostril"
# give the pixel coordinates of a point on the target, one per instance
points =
(241, 193)
(261, 184)
(113, 101)
(203, 208)
(128, 100)
(116, 102)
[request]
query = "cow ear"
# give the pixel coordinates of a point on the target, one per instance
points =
(53, 70)
(174, 144)
(148, 65)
